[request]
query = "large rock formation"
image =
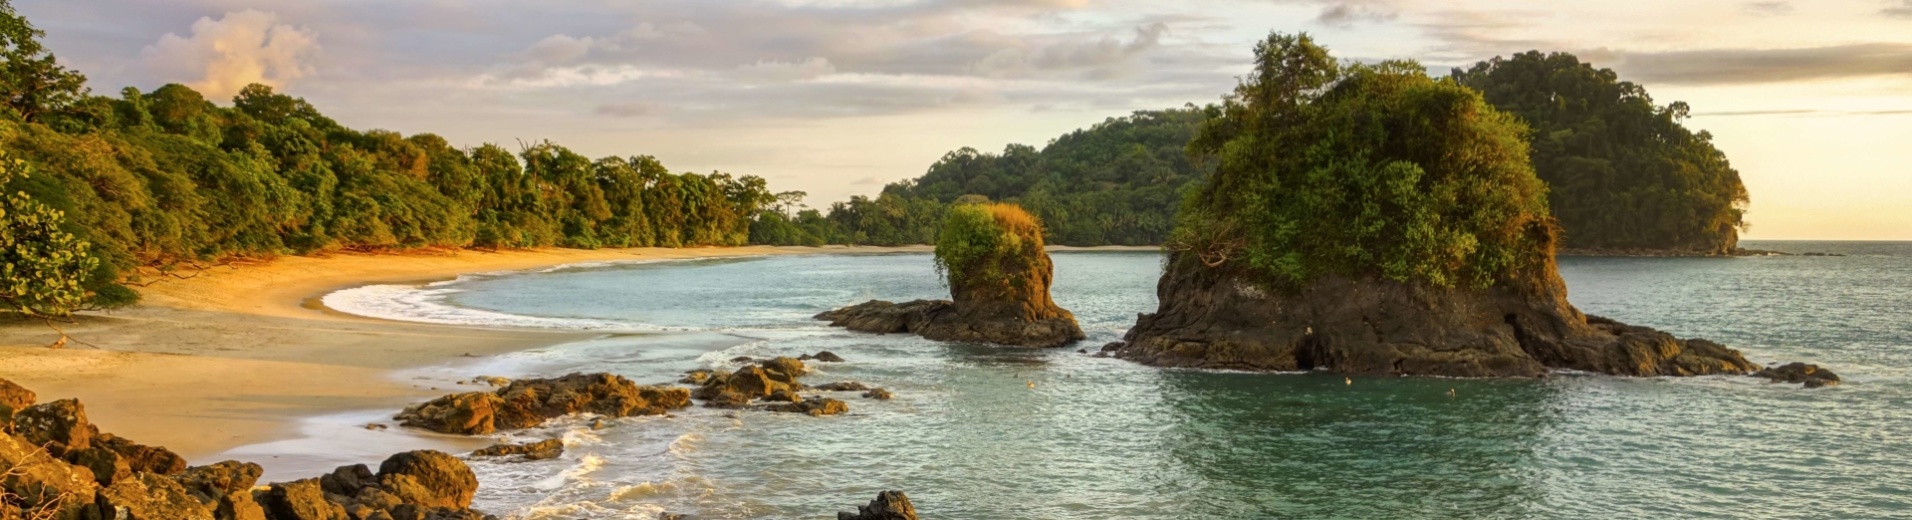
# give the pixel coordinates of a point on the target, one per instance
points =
(1411, 239)
(54, 464)
(527, 403)
(998, 276)
(1212, 319)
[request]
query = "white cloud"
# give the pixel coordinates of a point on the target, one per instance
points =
(223, 56)
(778, 71)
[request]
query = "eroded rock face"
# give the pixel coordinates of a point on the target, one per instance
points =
(889, 505)
(815, 407)
(529, 402)
(14, 398)
(148, 496)
(42, 484)
(60, 426)
(1216, 319)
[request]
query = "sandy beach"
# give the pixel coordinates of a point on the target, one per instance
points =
(236, 355)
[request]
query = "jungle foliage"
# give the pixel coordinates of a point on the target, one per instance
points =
(1332, 169)
(989, 251)
(1624, 172)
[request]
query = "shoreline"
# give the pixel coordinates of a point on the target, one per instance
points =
(233, 357)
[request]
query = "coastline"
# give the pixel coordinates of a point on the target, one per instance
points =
(239, 356)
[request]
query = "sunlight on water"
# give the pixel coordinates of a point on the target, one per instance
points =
(1096, 438)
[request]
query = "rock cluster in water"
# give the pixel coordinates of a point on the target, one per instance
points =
(1809, 375)
(889, 505)
(772, 384)
(54, 464)
(526, 403)
(1219, 318)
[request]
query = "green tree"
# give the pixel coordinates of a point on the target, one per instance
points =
(1363, 170)
(32, 83)
(43, 269)
(1624, 172)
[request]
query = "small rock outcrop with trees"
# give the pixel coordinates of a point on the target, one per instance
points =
(992, 257)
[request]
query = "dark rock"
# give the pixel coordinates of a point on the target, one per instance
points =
(743, 359)
(749, 382)
(824, 356)
(1215, 318)
(348, 480)
(814, 406)
(728, 400)
(889, 505)
(299, 500)
(943, 320)
(148, 496)
(845, 386)
(428, 479)
(529, 402)
(107, 466)
(783, 395)
(1810, 375)
(140, 457)
(59, 426)
(541, 450)
(878, 394)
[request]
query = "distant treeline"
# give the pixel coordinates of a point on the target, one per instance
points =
(1118, 182)
(1622, 172)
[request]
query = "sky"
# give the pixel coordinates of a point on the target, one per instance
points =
(1811, 101)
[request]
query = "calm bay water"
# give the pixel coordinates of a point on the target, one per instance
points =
(1101, 438)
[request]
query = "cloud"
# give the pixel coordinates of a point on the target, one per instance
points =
(1768, 8)
(1803, 112)
(778, 71)
(1748, 66)
(867, 181)
(639, 109)
(1902, 10)
(1102, 55)
(223, 56)
(1346, 14)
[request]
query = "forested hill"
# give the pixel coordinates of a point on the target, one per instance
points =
(1117, 182)
(1623, 172)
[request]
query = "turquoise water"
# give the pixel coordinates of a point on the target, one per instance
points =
(1100, 438)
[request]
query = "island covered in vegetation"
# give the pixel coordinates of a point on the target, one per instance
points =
(1369, 219)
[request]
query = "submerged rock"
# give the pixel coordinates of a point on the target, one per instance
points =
(815, 406)
(1810, 375)
(541, 450)
(844, 386)
(878, 394)
(529, 402)
(824, 356)
(889, 505)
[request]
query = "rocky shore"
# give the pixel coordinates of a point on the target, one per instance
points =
(54, 464)
(944, 320)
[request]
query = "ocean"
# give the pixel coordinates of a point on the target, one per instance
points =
(981, 432)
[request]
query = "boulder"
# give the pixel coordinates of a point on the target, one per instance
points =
(59, 426)
(824, 356)
(14, 398)
(541, 450)
(697, 377)
(429, 479)
(106, 465)
(878, 394)
(1812, 376)
(944, 320)
(471, 413)
(889, 505)
(815, 406)
(527, 403)
(752, 382)
(39, 485)
(348, 481)
(226, 487)
(784, 370)
(148, 496)
(844, 386)
(140, 457)
(299, 500)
